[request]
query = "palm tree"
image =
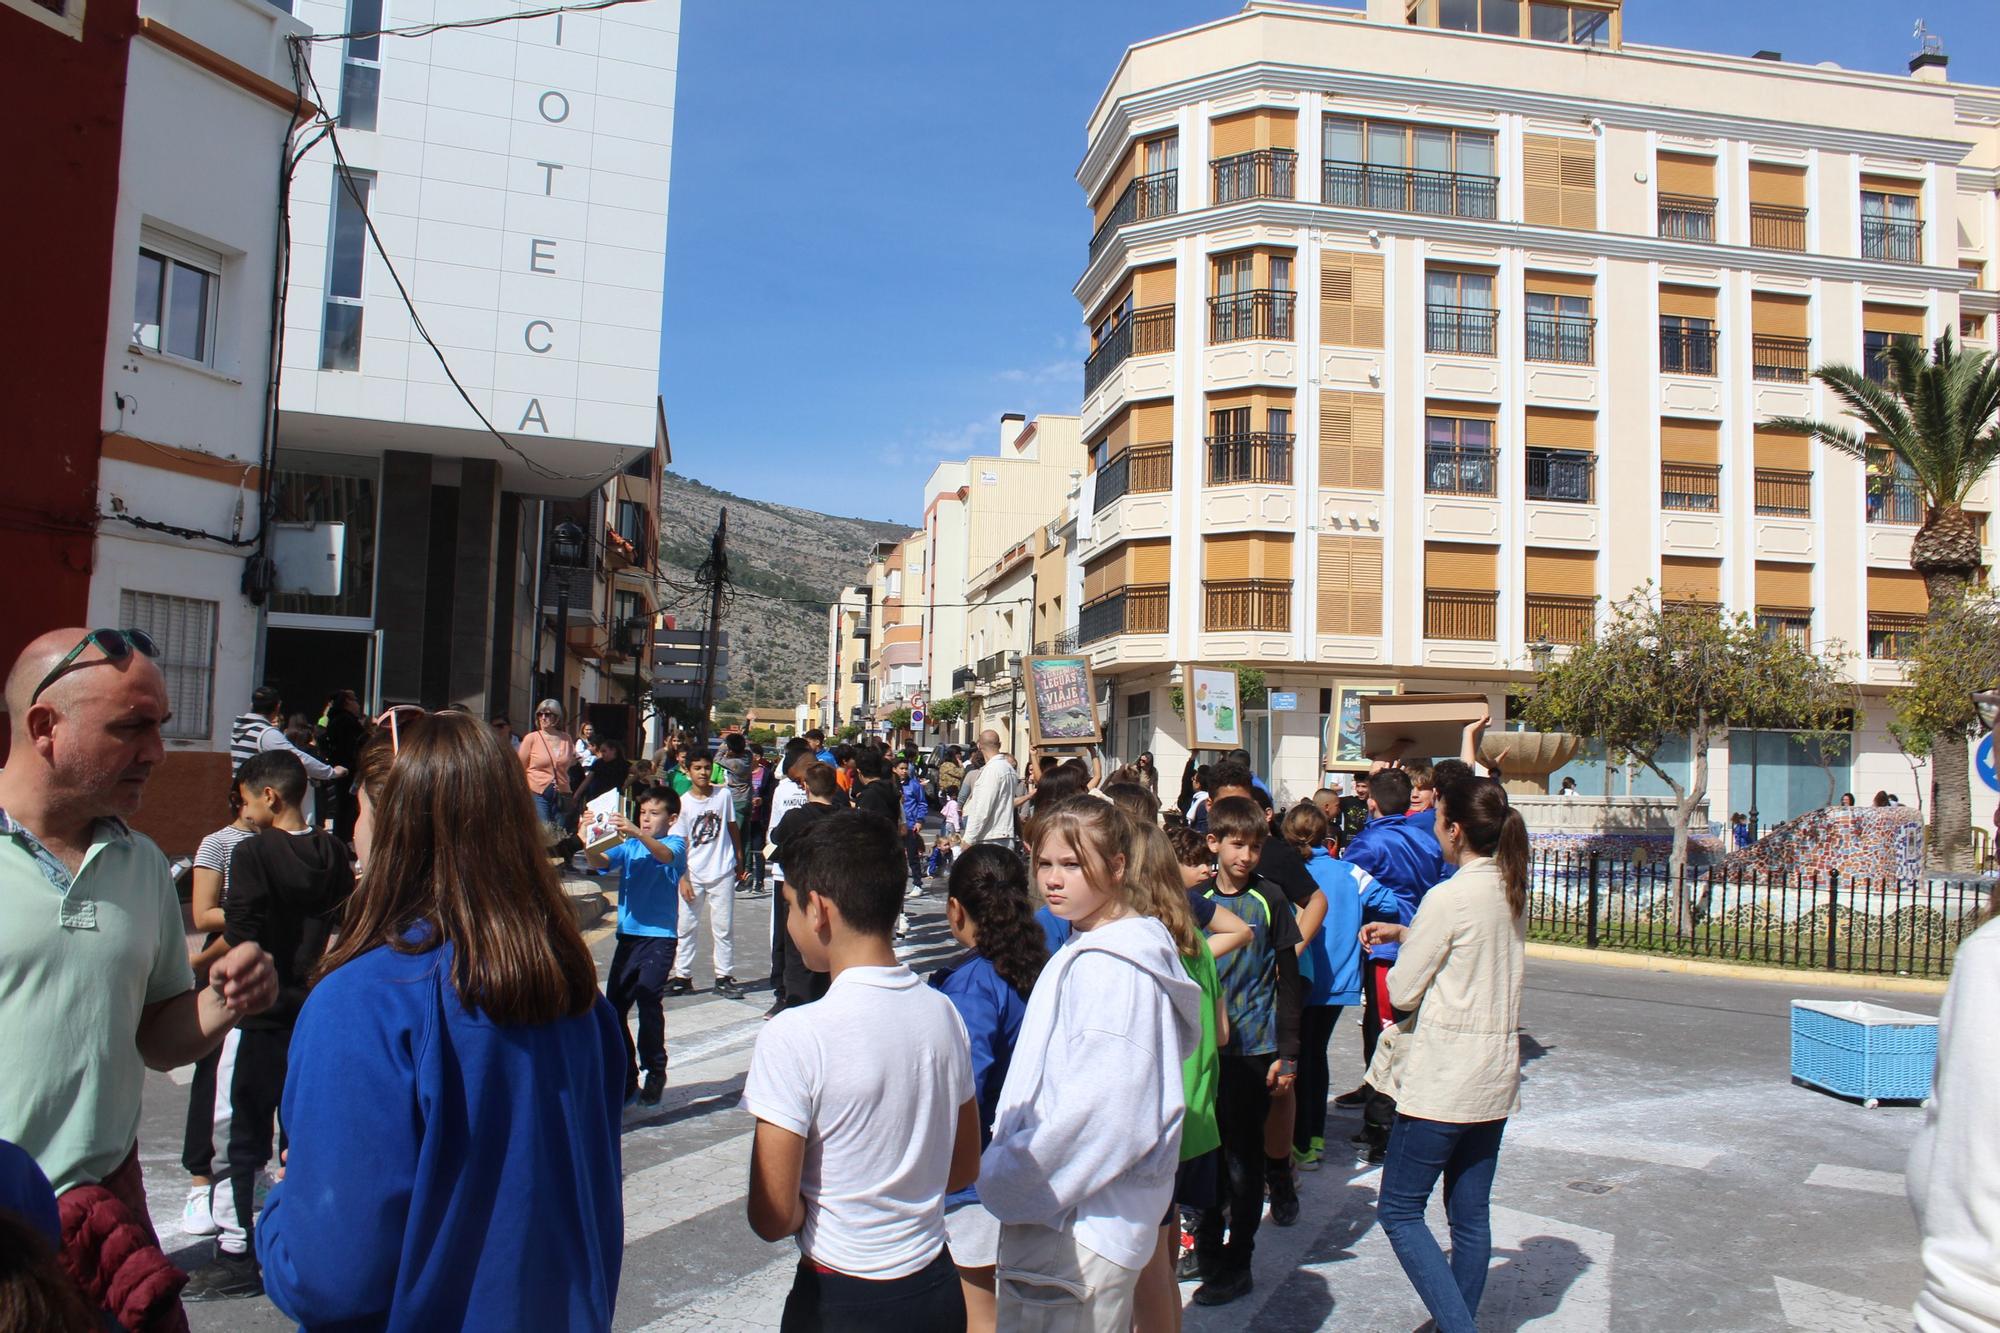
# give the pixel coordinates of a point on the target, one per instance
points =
(1934, 421)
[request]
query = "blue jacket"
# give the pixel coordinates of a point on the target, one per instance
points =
(915, 807)
(1402, 858)
(1332, 960)
(992, 1012)
(1424, 825)
(445, 1172)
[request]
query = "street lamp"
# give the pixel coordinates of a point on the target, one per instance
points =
(1540, 653)
(565, 552)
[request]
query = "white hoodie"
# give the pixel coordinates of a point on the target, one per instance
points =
(1954, 1175)
(1088, 1129)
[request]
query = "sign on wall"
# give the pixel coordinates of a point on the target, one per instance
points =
(1062, 697)
(1214, 715)
(1344, 741)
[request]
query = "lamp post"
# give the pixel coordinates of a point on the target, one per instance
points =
(565, 552)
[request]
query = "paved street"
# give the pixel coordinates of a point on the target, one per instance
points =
(1663, 1174)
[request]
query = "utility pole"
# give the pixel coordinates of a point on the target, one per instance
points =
(714, 572)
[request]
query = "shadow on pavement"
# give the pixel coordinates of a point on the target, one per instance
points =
(1537, 1276)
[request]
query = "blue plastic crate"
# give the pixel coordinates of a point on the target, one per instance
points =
(1865, 1051)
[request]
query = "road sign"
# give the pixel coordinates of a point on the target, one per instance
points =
(687, 691)
(1283, 701)
(1983, 761)
(917, 719)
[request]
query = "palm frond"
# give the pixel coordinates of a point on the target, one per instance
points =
(1828, 433)
(1936, 417)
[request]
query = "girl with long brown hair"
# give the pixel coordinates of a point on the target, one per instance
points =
(455, 1088)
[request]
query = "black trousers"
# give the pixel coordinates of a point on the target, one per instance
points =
(198, 1139)
(1242, 1101)
(1314, 1086)
(255, 1060)
(1378, 1113)
(639, 967)
(792, 982)
(927, 1301)
(913, 848)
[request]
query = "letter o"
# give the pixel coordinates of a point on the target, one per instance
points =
(543, 107)
(528, 334)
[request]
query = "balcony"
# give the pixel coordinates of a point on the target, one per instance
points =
(1456, 613)
(1464, 330)
(1773, 227)
(961, 679)
(1154, 196)
(1686, 217)
(996, 666)
(1449, 194)
(1555, 618)
(1062, 645)
(1247, 604)
(623, 552)
(1567, 339)
(1266, 313)
(858, 673)
(1268, 173)
(581, 584)
(1791, 623)
(1261, 458)
(1896, 500)
(1137, 470)
(1893, 638)
(1144, 332)
(1691, 487)
(1454, 470)
(1899, 240)
(1564, 475)
(1687, 351)
(1783, 493)
(1780, 360)
(863, 629)
(1875, 346)
(1139, 608)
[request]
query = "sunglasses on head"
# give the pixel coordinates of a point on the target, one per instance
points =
(115, 644)
(393, 718)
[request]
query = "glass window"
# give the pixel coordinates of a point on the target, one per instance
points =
(1590, 27)
(1502, 18)
(1433, 150)
(1281, 273)
(1386, 145)
(187, 312)
(1548, 23)
(1278, 420)
(360, 74)
(146, 299)
(364, 16)
(1458, 15)
(340, 340)
(1475, 154)
(173, 307)
(1440, 287)
(1162, 154)
(1342, 140)
(317, 488)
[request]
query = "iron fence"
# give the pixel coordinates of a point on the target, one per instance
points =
(1686, 217)
(1266, 173)
(1775, 227)
(1407, 190)
(1153, 196)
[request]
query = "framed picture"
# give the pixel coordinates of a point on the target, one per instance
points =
(1214, 713)
(1062, 702)
(1341, 745)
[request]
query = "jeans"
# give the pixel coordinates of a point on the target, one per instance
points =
(549, 806)
(1316, 1025)
(639, 967)
(1242, 1101)
(927, 1301)
(1465, 1155)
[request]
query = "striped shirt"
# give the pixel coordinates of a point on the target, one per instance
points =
(217, 848)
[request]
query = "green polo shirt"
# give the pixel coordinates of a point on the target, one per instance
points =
(80, 959)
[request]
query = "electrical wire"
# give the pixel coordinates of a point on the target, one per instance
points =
(426, 29)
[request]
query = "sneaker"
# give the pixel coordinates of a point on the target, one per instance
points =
(1375, 1154)
(1224, 1288)
(1284, 1198)
(656, 1088)
(726, 987)
(228, 1277)
(902, 925)
(679, 986)
(198, 1213)
(1305, 1161)
(1358, 1097)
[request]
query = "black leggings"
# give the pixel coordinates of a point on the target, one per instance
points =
(1242, 1102)
(927, 1301)
(1316, 1025)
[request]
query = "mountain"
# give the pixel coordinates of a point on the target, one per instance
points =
(787, 565)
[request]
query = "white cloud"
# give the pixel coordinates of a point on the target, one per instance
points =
(1053, 372)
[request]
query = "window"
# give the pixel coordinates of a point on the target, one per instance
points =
(1559, 328)
(184, 629)
(1458, 456)
(1687, 345)
(361, 67)
(1559, 181)
(1401, 168)
(175, 298)
(347, 247)
(626, 607)
(1571, 24)
(1890, 225)
(1458, 312)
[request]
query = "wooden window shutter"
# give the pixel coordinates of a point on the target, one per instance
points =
(1778, 316)
(1897, 592)
(1350, 440)
(1891, 185)
(1336, 298)
(1784, 585)
(1548, 428)
(1690, 579)
(1151, 562)
(1541, 180)
(1690, 441)
(1369, 294)
(1153, 286)
(1230, 135)
(1783, 450)
(1103, 574)
(1892, 319)
(1461, 566)
(1281, 129)
(1562, 573)
(1115, 187)
(1562, 284)
(1781, 187)
(1270, 555)
(1579, 184)
(1683, 174)
(1226, 557)
(1689, 302)
(1350, 585)
(1152, 423)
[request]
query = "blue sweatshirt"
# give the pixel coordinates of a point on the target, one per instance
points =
(1402, 858)
(445, 1172)
(915, 807)
(991, 1011)
(1331, 963)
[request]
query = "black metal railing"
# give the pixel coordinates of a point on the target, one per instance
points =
(1783, 492)
(1458, 613)
(1686, 217)
(1893, 637)
(994, 666)
(1267, 173)
(1261, 457)
(1782, 360)
(1462, 329)
(1897, 239)
(1896, 500)
(1066, 642)
(1775, 227)
(962, 678)
(1145, 332)
(1570, 339)
(1687, 351)
(1265, 313)
(1567, 475)
(1791, 623)
(1154, 196)
(859, 673)
(1748, 914)
(1450, 194)
(1559, 618)
(1137, 608)
(1254, 604)
(1691, 486)
(1141, 468)
(1451, 469)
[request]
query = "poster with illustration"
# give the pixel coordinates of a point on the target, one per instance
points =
(597, 831)
(1215, 718)
(1062, 702)
(1344, 740)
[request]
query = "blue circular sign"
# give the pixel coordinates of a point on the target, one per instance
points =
(1982, 759)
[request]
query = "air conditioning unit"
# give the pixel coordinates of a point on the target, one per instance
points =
(307, 557)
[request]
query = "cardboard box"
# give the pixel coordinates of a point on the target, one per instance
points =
(1418, 726)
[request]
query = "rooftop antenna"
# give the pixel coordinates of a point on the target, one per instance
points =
(1928, 42)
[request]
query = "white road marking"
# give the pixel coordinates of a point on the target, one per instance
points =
(665, 1195)
(1857, 1178)
(1823, 1310)
(1549, 1275)
(752, 1303)
(1658, 1152)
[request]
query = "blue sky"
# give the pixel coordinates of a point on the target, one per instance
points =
(875, 224)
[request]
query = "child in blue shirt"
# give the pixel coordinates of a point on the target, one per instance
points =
(650, 863)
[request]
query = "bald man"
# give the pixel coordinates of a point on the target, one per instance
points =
(94, 979)
(989, 808)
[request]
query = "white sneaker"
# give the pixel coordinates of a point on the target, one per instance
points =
(198, 1213)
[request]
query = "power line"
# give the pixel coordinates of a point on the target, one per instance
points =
(426, 29)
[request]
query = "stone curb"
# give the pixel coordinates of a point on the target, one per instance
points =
(1701, 967)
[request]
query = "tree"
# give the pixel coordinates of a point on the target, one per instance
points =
(1935, 423)
(944, 711)
(1658, 673)
(847, 732)
(899, 720)
(1957, 654)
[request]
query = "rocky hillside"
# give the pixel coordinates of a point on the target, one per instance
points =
(776, 552)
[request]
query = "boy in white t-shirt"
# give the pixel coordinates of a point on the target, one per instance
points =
(714, 850)
(864, 1101)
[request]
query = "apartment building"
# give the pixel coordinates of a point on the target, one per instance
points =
(850, 629)
(1422, 332)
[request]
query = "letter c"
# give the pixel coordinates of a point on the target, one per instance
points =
(528, 335)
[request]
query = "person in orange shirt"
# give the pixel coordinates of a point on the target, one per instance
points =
(546, 754)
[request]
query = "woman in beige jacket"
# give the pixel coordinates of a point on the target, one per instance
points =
(1453, 1062)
